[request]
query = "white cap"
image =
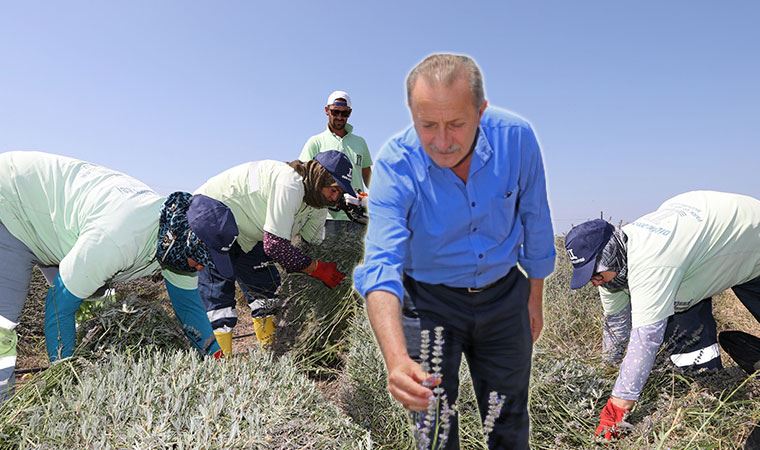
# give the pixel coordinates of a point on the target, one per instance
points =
(336, 95)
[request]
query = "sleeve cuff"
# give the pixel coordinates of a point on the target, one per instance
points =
(378, 278)
(538, 268)
(626, 396)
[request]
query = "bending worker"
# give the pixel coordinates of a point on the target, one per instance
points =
(272, 202)
(98, 226)
(660, 272)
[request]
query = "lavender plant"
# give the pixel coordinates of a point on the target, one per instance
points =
(115, 396)
(176, 400)
(314, 320)
(432, 426)
(436, 421)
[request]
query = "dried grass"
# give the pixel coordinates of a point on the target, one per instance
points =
(130, 325)
(31, 327)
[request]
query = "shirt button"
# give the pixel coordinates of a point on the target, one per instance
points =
(480, 256)
(475, 229)
(472, 204)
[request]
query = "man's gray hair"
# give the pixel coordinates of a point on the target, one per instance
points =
(446, 68)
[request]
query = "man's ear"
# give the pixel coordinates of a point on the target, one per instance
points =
(482, 109)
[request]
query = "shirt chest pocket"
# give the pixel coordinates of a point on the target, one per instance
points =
(503, 214)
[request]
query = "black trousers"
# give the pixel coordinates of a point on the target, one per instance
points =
(693, 332)
(749, 294)
(691, 338)
(491, 329)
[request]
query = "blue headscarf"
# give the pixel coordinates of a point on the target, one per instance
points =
(176, 241)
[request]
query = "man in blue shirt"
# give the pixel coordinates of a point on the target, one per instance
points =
(458, 199)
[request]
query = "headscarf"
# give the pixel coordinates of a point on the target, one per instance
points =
(315, 177)
(176, 241)
(614, 256)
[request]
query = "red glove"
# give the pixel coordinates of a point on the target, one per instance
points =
(327, 272)
(609, 421)
(219, 354)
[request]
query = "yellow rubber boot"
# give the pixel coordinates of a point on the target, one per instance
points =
(224, 339)
(264, 328)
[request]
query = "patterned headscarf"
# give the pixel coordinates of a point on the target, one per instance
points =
(176, 241)
(315, 177)
(614, 256)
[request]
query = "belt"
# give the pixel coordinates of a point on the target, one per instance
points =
(471, 290)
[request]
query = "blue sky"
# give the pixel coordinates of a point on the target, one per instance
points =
(633, 101)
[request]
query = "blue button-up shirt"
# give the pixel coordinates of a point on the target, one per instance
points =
(427, 223)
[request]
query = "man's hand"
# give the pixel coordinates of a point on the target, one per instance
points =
(328, 273)
(405, 385)
(610, 418)
(536, 307)
(405, 377)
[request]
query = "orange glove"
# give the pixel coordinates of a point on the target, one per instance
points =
(609, 421)
(327, 272)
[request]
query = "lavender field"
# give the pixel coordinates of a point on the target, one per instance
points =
(135, 384)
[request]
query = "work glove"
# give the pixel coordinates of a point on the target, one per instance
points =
(610, 420)
(327, 272)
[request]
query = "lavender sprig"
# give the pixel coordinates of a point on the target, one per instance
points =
(436, 420)
(425, 350)
(495, 405)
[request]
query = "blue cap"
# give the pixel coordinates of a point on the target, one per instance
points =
(213, 223)
(340, 168)
(583, 244)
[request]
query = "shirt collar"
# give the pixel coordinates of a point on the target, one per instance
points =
(482, 152)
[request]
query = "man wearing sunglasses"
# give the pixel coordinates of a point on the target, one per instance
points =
(656, 277)
(339, 136)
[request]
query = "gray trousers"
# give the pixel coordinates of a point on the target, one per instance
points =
(16, 264)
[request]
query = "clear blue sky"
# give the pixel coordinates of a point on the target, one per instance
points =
(633, 101)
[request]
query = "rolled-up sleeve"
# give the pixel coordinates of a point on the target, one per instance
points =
(385, 245)
(537, 253)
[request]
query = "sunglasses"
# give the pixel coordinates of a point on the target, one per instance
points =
(339, 112)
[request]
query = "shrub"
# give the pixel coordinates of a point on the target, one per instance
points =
(177, 400)
(313, 325)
